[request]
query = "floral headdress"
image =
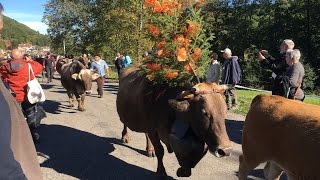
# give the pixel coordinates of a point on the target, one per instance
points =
(181, 47)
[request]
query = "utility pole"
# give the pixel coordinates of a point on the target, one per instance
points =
(64, 47)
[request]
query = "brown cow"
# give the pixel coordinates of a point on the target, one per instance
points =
(76, 79)
(284, 132)
(146, 108)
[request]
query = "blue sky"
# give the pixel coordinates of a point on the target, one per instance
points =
(28, 12)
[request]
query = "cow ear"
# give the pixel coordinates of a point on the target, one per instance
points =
(95, 76)
(75, 76)
(179, 106)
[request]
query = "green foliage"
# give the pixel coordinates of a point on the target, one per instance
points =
(309, 78)
(245, 97)
(19, 33)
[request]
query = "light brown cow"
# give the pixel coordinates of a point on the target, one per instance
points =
(284, 132)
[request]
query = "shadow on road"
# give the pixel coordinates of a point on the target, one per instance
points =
(55, 107)
(234, 129)
(84, 155)
(113, 89)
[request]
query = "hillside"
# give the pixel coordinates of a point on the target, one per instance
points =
(19, 33)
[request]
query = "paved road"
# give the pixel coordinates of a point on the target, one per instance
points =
(86, 145)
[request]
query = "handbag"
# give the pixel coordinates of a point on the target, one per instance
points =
(35, 92)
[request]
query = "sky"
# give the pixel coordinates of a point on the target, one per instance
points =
(28, 12)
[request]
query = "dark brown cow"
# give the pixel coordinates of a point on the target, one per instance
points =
(76, 79)
(145, 108)
(284, 132)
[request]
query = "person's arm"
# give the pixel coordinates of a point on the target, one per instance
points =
(107, 70)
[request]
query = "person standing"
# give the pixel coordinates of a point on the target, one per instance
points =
(16, 74)
(100, 67)
(294, 74)
(277, 65)
(231, 75)
(49, 66)
(127, 60)
(119, 62)
(213, 73)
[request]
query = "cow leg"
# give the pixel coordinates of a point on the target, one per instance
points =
(245, 167)
(159, 153)
(70, 95)
(80, 99)
(272, 171)
(149, 148)
(125, 136)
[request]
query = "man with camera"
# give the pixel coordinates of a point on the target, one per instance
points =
(277, 65)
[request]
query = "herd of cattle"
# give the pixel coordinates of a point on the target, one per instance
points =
(191, 120)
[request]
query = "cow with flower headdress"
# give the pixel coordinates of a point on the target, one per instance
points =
(163, 97)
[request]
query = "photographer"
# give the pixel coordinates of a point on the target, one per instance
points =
(277, 65)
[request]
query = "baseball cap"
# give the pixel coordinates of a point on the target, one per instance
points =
(226, 50)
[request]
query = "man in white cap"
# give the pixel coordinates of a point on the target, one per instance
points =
(231, 75)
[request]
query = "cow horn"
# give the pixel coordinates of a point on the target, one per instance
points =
(186, 94)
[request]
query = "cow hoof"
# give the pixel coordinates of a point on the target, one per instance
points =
(81, 109)
(151, 153)
(184, 172)
(125, 139)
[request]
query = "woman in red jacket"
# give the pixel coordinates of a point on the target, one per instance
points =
(15, 73)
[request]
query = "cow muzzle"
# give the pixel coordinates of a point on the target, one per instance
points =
(222, 151)
(88, 92)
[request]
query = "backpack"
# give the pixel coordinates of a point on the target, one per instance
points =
(127, 61)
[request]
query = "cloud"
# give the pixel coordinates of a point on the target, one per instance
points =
(37, 26)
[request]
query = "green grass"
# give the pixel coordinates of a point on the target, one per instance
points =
(245, 97)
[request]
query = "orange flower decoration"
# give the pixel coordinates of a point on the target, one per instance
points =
(182, 54)
(188, 68)
(150, 77)
(187, 42)
(196, 54)
(153, 30)
(167, 6)
(161, 45)
(180, 38)
(148, 3)
(161, 53)
(192, 29)
(157, 8)
(153, 66)
(172, 74)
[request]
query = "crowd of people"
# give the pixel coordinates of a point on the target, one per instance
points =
(287, 72)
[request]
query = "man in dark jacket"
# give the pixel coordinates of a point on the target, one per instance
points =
(231, 75)
(277, 65)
